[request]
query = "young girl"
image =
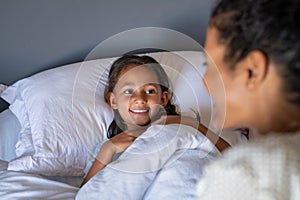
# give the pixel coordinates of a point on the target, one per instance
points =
(137, 91)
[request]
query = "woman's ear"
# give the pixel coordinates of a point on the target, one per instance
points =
(257, 67)
(112, 101)
(164, 98)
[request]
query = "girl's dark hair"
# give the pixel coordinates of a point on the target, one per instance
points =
(118, 125)
(271, 26)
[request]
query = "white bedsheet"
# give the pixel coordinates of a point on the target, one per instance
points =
(19, 185)
(163, 163)
(9, 135)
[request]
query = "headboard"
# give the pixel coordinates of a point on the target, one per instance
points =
(41, 34)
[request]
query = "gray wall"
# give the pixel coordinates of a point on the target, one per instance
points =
(40, 34)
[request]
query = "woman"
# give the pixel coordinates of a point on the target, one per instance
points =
(254, 47)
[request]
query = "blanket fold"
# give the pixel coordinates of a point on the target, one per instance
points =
(163, 163)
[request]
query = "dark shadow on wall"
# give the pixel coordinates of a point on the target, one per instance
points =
(3, 105)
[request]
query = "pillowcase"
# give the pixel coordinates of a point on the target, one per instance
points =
(63, 114)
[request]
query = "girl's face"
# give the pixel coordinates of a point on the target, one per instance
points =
(137, 96)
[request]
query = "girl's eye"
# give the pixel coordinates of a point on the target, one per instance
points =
(128, 92)
(152, 91)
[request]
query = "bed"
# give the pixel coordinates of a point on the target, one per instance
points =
(57, 118)
(53, 115)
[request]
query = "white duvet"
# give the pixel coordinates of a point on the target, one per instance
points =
(163, 163)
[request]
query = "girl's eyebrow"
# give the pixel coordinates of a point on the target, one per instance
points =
(130, 84)
(152, 84)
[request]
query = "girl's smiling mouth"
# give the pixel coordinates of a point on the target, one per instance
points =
(139, 111)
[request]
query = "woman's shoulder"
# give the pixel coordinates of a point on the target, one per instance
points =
(275, 144)
(276, 151)
(267, 167)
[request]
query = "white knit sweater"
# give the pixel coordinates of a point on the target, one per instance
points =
(264, 170)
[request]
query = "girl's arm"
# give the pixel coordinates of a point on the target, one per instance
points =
(219, 142)
(103, 158)
(115, 145)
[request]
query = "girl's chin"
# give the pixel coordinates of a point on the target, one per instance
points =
(140, 124)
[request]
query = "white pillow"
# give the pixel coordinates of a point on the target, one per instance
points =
(63, 114)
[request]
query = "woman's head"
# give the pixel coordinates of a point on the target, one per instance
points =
(256, 48)
(138, 91)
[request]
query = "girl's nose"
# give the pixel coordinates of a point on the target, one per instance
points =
(139, 97)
